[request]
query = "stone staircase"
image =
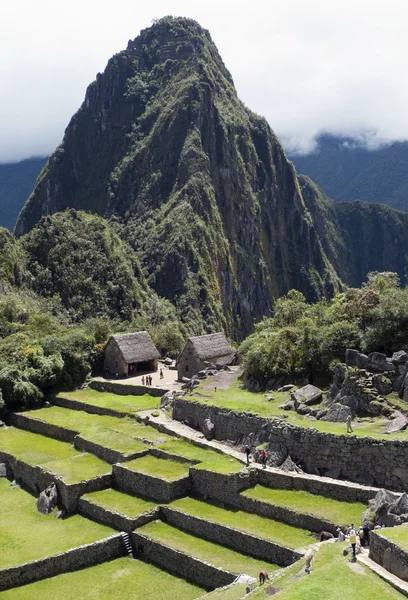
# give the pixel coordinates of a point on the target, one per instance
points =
(128, 543)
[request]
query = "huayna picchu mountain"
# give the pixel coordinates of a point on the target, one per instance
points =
(200, 187)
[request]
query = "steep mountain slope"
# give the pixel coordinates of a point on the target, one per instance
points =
(17, 181)
(198, 184)
(358, 237)
(346, 171)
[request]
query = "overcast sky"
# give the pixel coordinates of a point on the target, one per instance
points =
(308, 66)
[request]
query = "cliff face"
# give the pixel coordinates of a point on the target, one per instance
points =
(197, 183)
(194, 181)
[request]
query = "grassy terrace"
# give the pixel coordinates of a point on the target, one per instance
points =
(168, 470)
(398, 535)
(114, 580)
(124, 404)
(208, 551)
(339, 513)
(124, 504)
(262, 527)
(78, 468)
(333, 577)
(26, 534)
(209, 459)
(233, 592)
(123, 434)
(240, 400)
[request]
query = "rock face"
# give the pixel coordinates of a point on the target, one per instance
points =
(201, 187)
(387, 509)
(48, 500)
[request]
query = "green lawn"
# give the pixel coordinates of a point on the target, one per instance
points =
(333, 577)
(125, 404)
(118, 579)
(240, 400)
(78, 468)
(262, 527)
(122, 434)
(26, 534)
(32, 448)
(398, 535)
(209, 459)
(339, 513)
(208, 551)
(232, 592)
(124, 504)
(158, 467)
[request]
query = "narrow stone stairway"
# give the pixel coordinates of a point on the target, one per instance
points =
(128, 543)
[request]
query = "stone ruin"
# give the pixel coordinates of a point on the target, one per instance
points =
(47, 500)
(387, 509)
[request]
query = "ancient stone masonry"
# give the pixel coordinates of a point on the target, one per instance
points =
(24, 421)
(114, 519)
(181, 564)
(125, 389)
(230, 537)
(381, 463)
(148, 485)
(71, 560)
(107, 454)
(389, 555)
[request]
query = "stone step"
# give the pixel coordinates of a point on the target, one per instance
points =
(399, 584)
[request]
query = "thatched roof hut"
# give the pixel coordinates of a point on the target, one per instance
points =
(202, 349)
(126, 353)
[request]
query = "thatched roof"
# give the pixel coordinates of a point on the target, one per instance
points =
(211, 346)
(136, 347)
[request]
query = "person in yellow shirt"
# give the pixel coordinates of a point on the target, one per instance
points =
(353, 539)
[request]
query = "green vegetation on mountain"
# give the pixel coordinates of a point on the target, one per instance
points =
(17, 181)
(306, 338)
(348, 171)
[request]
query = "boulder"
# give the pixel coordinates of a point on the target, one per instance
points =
(398, 423)
(277, 454)
(269, 398)
(208, 429)
(288, 405)
(399, 357)
(308, 394)
(322, 412)
(302, 409)
(400, 507)
(167, 400)
(337, 413)
(47, 500)
(382, 384)
(378, 363)
(202, 374)
(355, 359)
(289, 466)
(185, 379)
(286, 388)
(46, 404)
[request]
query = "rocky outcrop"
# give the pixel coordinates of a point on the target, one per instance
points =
(48, 500)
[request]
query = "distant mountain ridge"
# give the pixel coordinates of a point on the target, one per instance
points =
(17, 181)
(201, 188)
(347, 171)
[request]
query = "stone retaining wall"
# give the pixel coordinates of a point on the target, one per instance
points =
(377, 462)
(229, 537)
(124, 389)
(180, 564)
(220, 486)
(23, 421)
(323, 486)
(148, 485)
(389, 555)
(286, 515)
(89, 408)
(71, 560)
(114, 519)
(107, 454)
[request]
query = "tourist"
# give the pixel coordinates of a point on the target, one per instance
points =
(348, 421)
(150, 380)
(161, 374)
(247, 452)
(263, 458)
(340, 535)
(366, 529)
(143, 380)
(353, 539)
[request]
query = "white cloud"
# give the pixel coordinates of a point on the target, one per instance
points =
(307, 65)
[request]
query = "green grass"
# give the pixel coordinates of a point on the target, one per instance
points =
(125, 404)
(122, 434)
(209, 459)
(398, 535)
(262, 527)
(240, 400)
(232, 592)
(168, 470)
(32, 448)
(78, 468)
(208, 551)
(339, 513)
(115, 580)
(26, 534)
(333, 577)
(124, 504)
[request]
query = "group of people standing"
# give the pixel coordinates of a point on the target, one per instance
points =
(362, 535)
(147, 380)
(263, 457)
